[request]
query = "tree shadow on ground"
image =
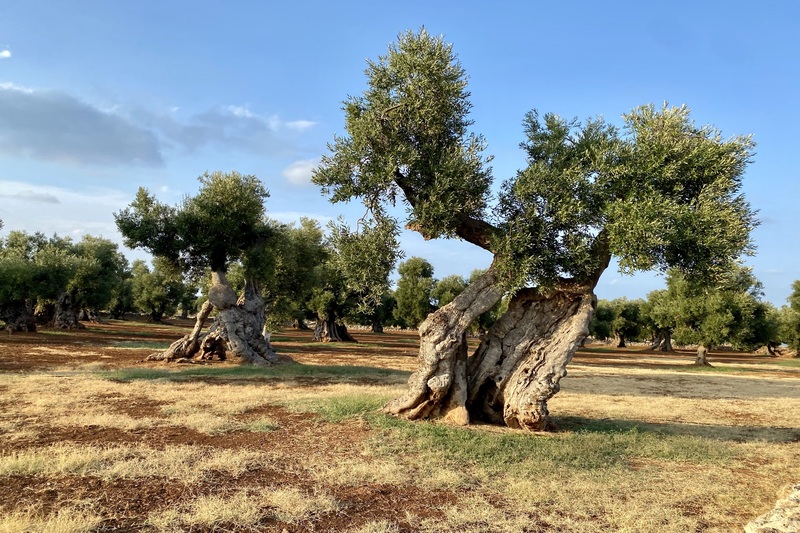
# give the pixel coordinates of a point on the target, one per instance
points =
(709, 431)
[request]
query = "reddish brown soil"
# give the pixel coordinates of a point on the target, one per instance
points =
(125, 503)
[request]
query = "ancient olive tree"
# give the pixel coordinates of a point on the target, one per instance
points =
(223, 222)
(660, 192)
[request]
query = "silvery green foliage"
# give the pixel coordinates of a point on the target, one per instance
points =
(657, 193)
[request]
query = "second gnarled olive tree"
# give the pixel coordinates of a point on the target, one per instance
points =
(659, 193)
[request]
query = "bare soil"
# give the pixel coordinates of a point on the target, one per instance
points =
(125, 503)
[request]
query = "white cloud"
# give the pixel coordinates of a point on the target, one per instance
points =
(68, 212)
(231, 127)
(51, 125)
(300, 125)
(299, 172)
(240, 111)
(5, 54)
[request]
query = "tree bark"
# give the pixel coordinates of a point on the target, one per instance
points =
(377, 326)
(235, 332)
(300, 324)
(439, 386)
(18, 316)
(702, 359)
(66, 313)
(327, 330)
(663, 341)
(518, 366)
(621, 341)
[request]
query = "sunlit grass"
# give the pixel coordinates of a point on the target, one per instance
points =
(244, 508)
(152, 345)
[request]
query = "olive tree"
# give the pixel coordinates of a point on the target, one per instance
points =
(222, 223)
(657, 193)
(414, 291)
(355, 275)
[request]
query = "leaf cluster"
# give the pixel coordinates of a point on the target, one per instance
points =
(223, 222)
(407, 138)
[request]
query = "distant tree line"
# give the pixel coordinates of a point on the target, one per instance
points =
(730, 313)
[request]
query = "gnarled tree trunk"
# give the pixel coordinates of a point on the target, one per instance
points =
(439, 386)
(66, 313)
(702, 359)
(515, 370)
(18, 316)
(327, 330)
(235, 332)
(518, 366)
(663, 341)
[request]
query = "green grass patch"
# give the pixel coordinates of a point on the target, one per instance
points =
(262, 426)
(258, 372)
(791, 363)
(153, 345)
(603, 446)
(127, 333)
(345, 407)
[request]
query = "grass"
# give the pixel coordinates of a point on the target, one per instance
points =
(637, 449)
(152, 345)
(185, 463)
(255, 372)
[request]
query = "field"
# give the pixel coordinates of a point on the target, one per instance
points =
(91, 439)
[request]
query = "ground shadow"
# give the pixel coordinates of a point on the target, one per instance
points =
(709, 431)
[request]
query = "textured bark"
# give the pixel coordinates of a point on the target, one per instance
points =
(663, 341)
(300, 324)
(327, 330)
(18, 316)
(66, 313)
(621, 341)
(518, 366)
(438, 387)
(702, 359)
(235, 332)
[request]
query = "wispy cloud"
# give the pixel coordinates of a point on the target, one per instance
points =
(299, 172)
(55, 126)
(68, 211)
(31, 196)
(52, 125)
(232, 127)
(5, 53)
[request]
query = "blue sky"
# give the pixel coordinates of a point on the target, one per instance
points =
(99, 97)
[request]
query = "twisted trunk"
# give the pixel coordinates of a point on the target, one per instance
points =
(18, 316)
(518, 366)
(439, 386)
(66, 313)
(235, 332)
(663, 341)
(702, 359)
(327, 330)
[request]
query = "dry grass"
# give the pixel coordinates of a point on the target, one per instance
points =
(656, 449)
(65, 520)
(245, 508)
(187, 464)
